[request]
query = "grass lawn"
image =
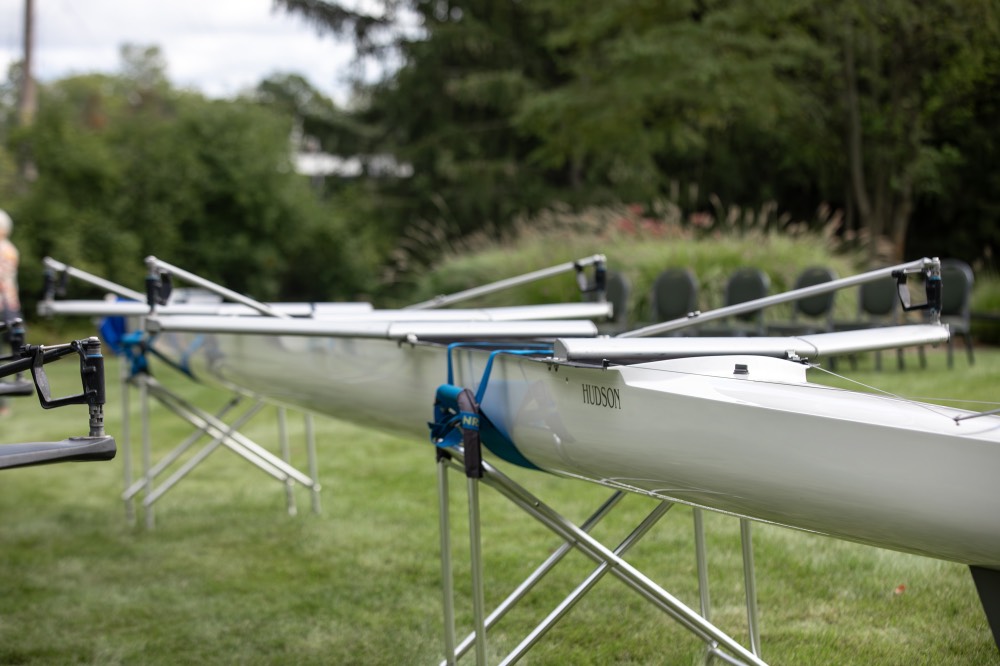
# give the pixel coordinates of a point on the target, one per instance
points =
(227, 576)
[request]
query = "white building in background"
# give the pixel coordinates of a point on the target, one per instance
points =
(309, 159)
(319, 164)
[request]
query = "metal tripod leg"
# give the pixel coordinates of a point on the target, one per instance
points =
(180, 449)
(222, 434)
(124, 371)
(635, 579)
(233, 440)
(536, 576)
(313, 465)
(447, 580)
(476, 559)
(286, 455)
(220, 439)
(586, 585)
(749, 581)
(147, 455)
(701, 559)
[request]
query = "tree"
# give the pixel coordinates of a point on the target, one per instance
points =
(508, 106)
(445, 107)
(653, 89)
(129, 167)
(958, 215)
(904, 63)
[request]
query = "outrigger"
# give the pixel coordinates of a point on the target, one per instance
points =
(725, 424)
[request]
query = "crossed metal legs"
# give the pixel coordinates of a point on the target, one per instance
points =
(718, 643)
(221, 434)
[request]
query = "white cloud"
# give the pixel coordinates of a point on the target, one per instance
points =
(219, 47)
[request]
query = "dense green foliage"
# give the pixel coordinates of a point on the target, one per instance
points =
(879, 110)
(128, 167)
(871, 120)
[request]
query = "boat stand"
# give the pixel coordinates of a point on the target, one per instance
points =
(718, 644)
(221, 434)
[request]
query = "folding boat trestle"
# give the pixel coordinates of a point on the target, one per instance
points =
(135, 350)
(727, 424)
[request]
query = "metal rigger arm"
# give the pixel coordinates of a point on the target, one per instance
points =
(58, 273)
(929, 268)
(597, 286)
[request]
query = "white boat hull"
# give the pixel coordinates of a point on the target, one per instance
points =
(766, 445)
(855, 466)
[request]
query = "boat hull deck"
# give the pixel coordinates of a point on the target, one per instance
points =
(766, 445)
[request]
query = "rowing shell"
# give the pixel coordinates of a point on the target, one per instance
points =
(740, 432)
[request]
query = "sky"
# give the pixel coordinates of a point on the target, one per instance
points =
(219, 47)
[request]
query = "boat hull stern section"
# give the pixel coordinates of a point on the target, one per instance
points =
(766, 446)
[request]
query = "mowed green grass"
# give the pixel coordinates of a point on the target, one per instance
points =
(228, 577)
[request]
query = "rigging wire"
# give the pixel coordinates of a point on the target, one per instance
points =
(913, 401)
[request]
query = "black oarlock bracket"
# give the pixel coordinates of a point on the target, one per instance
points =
(62, 285)
(91, 376)
(166, 286)
(53, 286)
(600, 277)
(932, 290)
(599, 285)
(48, 285)
(152, 289)
(159, 284)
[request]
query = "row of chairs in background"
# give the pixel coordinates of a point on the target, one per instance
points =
(675, 293)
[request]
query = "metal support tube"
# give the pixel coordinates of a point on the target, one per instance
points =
(786, 297)
(441, 301)
(222, 434)
(286, 455)
(476, 560)
(588, 583)
(621, 569)
(447, 580)
(179, 450)
(598, 552)
(222, 438)
(723, 656)
(536, 576)
(701, 560)
(185, 469)
(226, 435)
(235, 441)
(147, 454)
(313, 466)
(124, 370)
(750, 582)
